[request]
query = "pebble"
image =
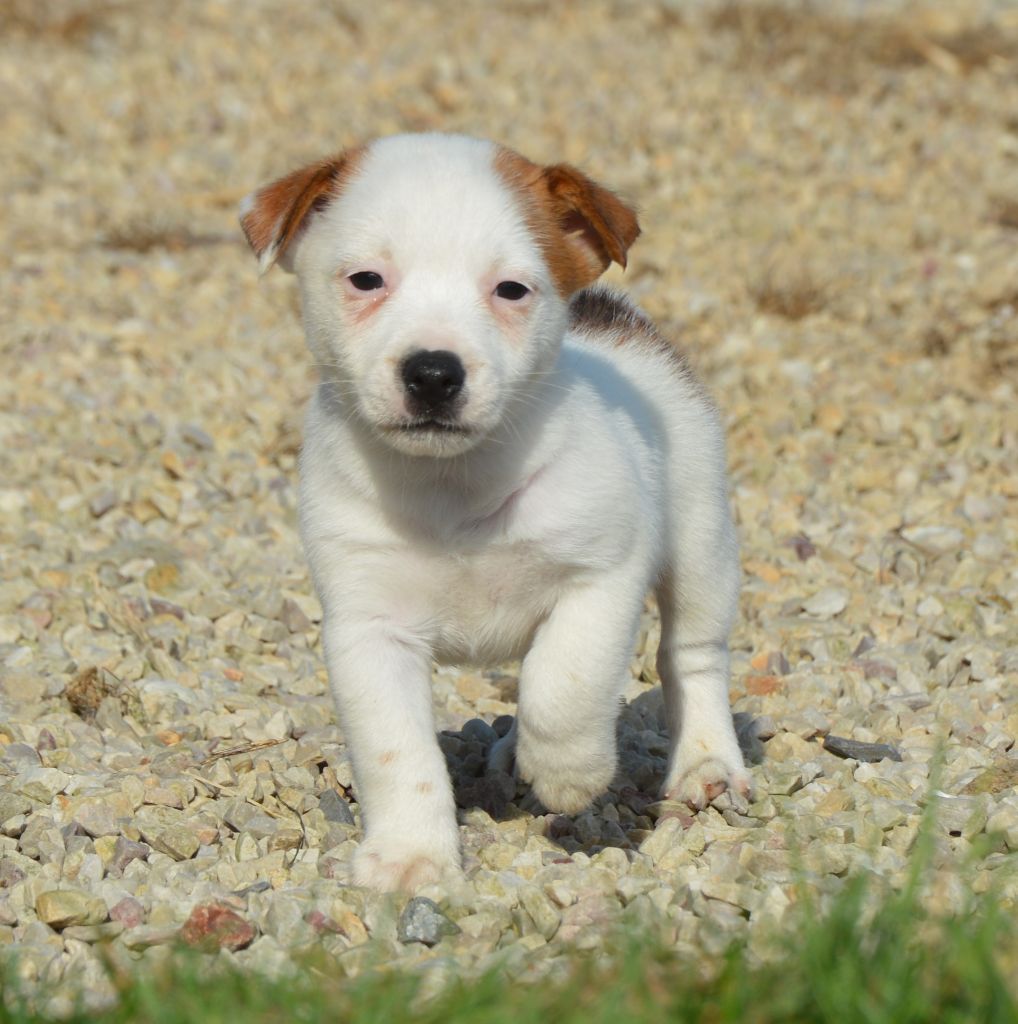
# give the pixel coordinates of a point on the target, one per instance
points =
(866, 752)
(335, 808)
(938, 540)
(40, 783)
(128, 912)
(62, 907)
(145, 936)
(212, 926)
(178, 842)
(827, 603)
(423, 921)
(542, 911)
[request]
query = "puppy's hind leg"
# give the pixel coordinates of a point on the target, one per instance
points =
(697, 609)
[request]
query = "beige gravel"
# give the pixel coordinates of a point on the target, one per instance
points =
(830, 213)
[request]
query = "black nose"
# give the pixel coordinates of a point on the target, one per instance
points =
(433, 379)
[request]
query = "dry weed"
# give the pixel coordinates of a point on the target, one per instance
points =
(789, 287)
(837, 53)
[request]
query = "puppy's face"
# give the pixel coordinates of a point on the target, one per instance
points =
(435, 273)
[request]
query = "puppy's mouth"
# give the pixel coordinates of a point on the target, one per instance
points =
(427, 426)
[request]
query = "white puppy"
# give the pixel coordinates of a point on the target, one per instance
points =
(497, 464)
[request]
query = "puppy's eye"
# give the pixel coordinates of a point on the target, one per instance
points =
(366, 281)
(511, 290)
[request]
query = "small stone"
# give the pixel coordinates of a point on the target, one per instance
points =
(335, 808)
(279, 726)
(246, 848)
(124, 851)
(162, 577)
(146, 935)
(128, 912)
(21, 756)
(102, 501)
(178, 842)
(286, 839)
(479, 731)
(286, 921)
(321, 922)
(40, 784)
(349, 924)
(964, 816)
(163, 796)
(826, 603)
(541, 910)
(292, 616)
(62, 907)
(11, 805)
(99, 815)
(173, 464)
(94, 932)
(866, 752)
(762, 686)
(935, 540)
(1004, 821)
(668, 834)
(23, 687)
(661, 809)
(195, 436)
(502, 724)
(423, 921)
(213, 926)
(493, 792)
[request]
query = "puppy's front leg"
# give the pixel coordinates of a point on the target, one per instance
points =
(570, 685)
(381, 679)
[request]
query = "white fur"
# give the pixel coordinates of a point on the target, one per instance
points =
(591, 474)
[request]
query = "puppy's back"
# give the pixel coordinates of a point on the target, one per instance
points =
(607, 318)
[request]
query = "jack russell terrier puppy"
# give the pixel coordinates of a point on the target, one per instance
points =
(498, 463)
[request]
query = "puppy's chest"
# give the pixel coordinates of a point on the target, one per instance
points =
(486, 605)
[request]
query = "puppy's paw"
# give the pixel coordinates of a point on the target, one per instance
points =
(703, 783)
(566, 786)
(399, 866)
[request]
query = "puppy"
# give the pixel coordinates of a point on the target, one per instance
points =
(498, 463)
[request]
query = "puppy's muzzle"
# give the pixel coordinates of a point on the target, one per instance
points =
(433, 380)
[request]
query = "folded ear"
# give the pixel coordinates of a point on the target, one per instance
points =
(597, 227)
(275, 215)
(580, 226)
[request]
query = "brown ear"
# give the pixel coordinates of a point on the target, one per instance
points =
(598, 227)
(580, 226)
(273, 216)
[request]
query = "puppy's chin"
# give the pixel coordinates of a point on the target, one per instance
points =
(434, 440)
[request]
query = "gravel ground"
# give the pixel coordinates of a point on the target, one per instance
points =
(830, 208)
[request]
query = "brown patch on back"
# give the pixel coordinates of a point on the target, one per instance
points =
(424, 787)
(580, 226)
(603, 310)
(280, 209)
(606, 315)
(387, 757)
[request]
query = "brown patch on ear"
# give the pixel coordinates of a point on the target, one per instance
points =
(273, 216)
(580, 225)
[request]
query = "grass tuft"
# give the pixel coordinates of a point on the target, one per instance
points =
(874, 955)
(874, 958)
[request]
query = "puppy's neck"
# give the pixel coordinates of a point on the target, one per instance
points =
(443, 495)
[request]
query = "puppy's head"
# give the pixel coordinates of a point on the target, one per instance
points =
(435, 275)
